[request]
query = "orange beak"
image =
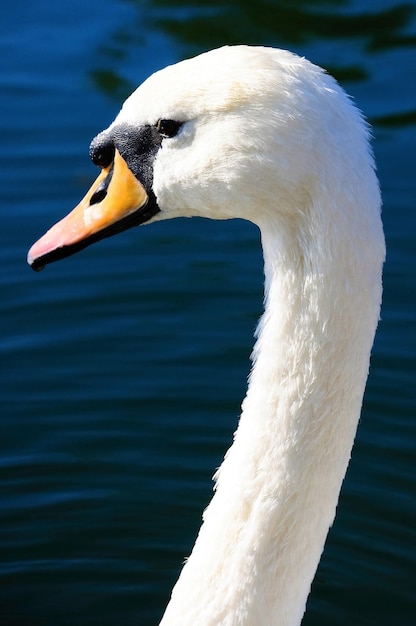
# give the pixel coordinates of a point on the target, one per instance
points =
(115, 201)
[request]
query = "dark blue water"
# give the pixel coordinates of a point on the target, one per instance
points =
(123, 368)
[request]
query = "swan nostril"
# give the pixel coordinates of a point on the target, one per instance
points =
(101, 191)
(99, 194)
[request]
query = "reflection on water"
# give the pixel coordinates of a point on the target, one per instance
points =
(369, 29)
(285, 22)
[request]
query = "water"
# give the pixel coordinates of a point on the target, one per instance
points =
(111, 429)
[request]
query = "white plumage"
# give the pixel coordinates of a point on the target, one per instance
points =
(271, 138)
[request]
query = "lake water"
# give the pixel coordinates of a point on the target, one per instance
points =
(123, 368)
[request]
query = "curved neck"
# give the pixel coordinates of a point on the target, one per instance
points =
(277, 489)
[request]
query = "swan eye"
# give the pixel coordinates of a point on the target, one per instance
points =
(168, 128)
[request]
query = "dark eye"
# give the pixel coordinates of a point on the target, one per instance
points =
(168, 128)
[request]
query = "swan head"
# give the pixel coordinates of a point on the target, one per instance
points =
(244, 132)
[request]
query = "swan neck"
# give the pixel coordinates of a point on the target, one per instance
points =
(278, 487)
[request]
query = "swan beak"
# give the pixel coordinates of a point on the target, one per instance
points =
(116, 201)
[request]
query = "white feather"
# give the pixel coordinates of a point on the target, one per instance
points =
(271, 138)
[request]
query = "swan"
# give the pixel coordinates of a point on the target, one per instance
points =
(264, 135)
